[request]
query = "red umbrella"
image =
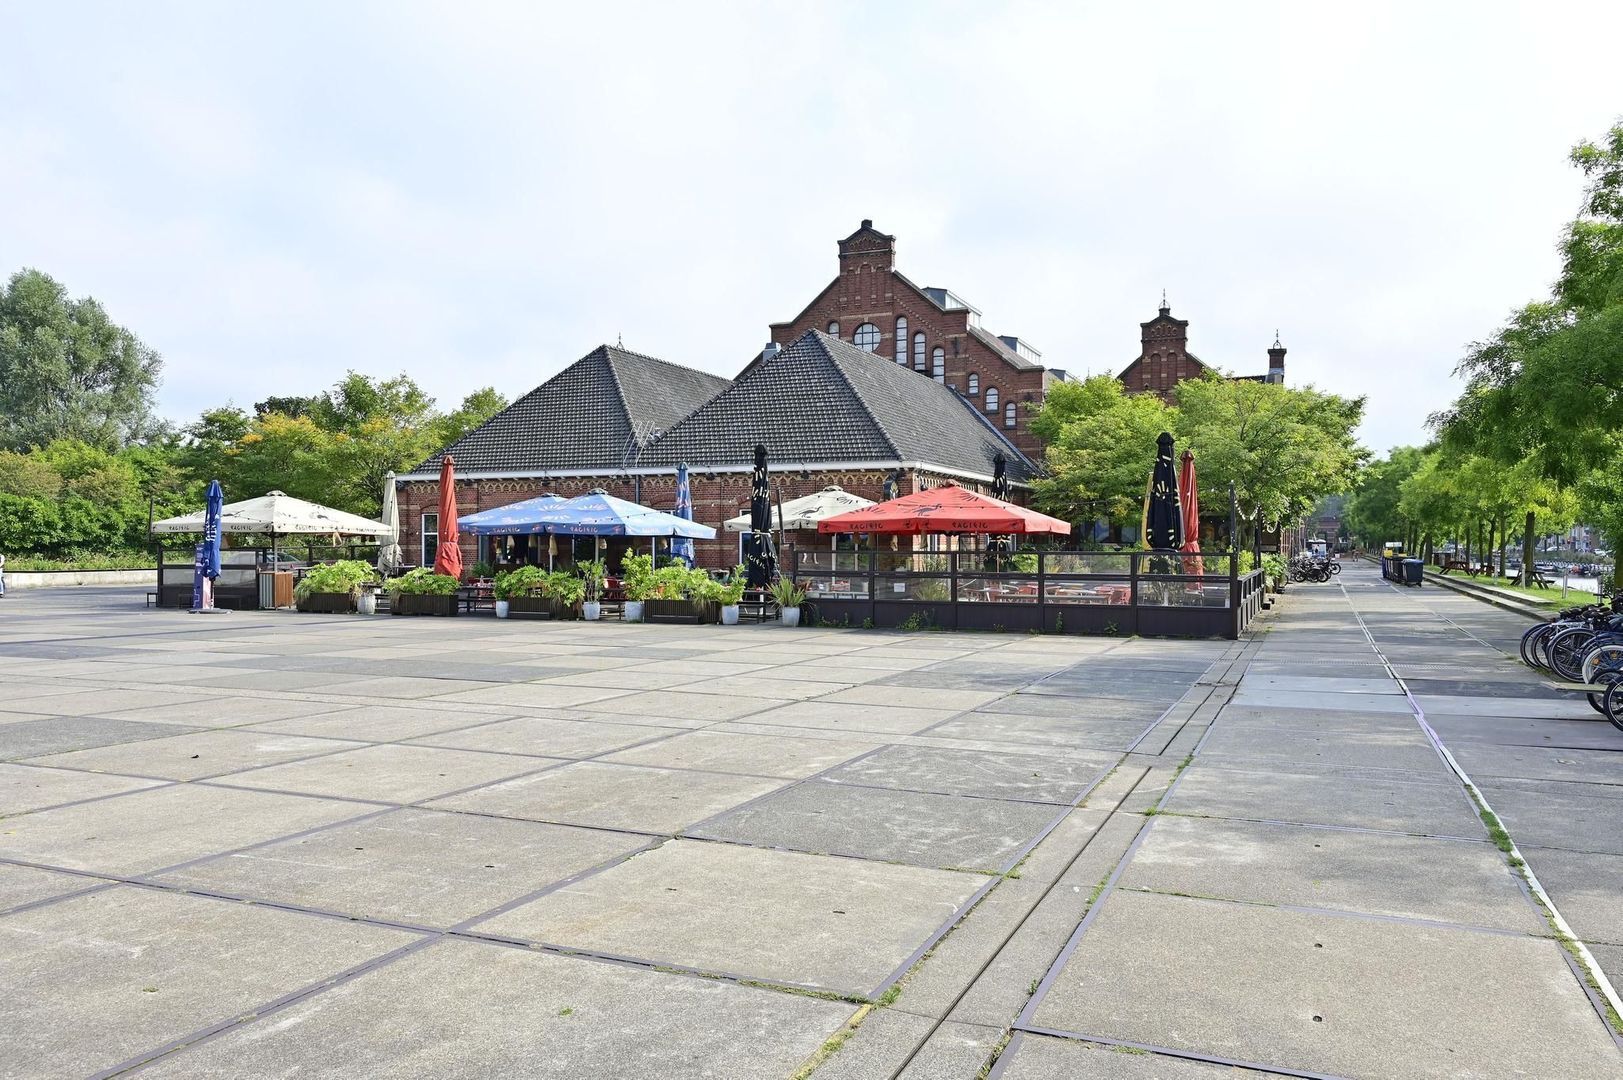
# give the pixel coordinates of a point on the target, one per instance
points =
(1189, 499)
(949, 509)
(448, 559)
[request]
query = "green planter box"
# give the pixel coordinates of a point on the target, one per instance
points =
(418, 604)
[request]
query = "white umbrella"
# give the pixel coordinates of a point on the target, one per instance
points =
(806, 511)
(390, 557)
(278, 513)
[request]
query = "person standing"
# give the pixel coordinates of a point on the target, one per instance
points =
(2, 577)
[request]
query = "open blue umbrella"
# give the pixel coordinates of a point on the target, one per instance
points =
(598, 513)
(514, 519)
(682, 547)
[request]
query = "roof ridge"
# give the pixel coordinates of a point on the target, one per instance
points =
(993, 428)
(619, 390)
(822, 340)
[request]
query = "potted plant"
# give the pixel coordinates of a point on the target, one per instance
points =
(561, 594)
(423, 592)
(728, 594)
(638, 574)
(592, 573)
(332, 588)
(789, 597)
(514, 585)
(676, 594)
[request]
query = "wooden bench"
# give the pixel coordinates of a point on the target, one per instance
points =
(1460, 564)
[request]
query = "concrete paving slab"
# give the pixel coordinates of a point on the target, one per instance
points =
(836, 924)
(390, 773)
(1379, 874)
(787, 756)
(223, 711)
(466, 1011)
(538, 695)
(1041, 1057)
(952, 1051)
(911, 827)
(1028, 777)
(675, 708)
(283, 681)
(33, 738)
(415, 866)
(570, 736)
(1317, 699)
(100, 978)
(1484, 761)
(147, 830)
(21, 885)
(857, 719)
(635, 797)
(880, 1046)
(1610, 959)
(1405, 752)
(1330, 994)
(25, 787)
(1088, 729)
(410, 686)
(1460, 732)
(195, 755)
(378, 723)
(1323, 684)
(1320, 795)
(1553, 708)
(915, 697)
(110, 699)
(1588, 888)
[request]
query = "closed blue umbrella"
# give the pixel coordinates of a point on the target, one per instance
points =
(682, 547)
(213, 507)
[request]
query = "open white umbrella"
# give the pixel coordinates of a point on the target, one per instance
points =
(278, 513)
(390, 557)
(806, 511)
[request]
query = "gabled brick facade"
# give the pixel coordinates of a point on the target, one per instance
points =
(942, 336)
(1164, 359)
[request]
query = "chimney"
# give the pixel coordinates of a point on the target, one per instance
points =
(867, 249)
(770, 352)
(1276, 361)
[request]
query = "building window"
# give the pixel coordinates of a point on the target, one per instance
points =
(431, 538)
(901, 340)
(918, 352)
(991, 399)
(833, 329)
(974, 384)
(867, 337)
(938, 364)
(1011, 415)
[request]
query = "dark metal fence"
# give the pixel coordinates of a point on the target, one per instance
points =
(1159, 594)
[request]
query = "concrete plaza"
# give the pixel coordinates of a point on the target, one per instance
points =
(300, 845)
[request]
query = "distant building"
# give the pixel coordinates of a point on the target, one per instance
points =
(1164, 359)
(930, 330)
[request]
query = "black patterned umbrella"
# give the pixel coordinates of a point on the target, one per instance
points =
(1163, 513)
(1000, 545)
(760, 560)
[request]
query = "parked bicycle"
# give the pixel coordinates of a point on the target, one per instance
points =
(1583, 644)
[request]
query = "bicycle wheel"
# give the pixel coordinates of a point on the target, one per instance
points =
(1335, 568)
(1528, 641)
(1612, 704)
(1602, 665)
(1567, 652)
(1541, 646)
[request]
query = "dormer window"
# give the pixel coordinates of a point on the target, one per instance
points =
(867, 337)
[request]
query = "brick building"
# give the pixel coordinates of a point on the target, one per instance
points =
(931, 331)
(827, 411)
(1164, 359)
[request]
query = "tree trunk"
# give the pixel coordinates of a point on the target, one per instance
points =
(1504, 542)
(1527, 552)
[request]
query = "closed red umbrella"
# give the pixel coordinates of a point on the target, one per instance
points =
(448, 559)
(1189, 499)
(949, 509)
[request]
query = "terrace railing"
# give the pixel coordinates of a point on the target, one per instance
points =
(1091, 592)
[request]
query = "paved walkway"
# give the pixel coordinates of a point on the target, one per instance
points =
(300, 845)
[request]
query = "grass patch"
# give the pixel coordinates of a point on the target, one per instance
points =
(832, 1044)
(997, 1052)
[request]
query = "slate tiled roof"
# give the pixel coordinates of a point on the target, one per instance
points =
(823, 400)
(594, 414)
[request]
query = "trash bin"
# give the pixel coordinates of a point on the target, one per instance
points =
(1414, 571)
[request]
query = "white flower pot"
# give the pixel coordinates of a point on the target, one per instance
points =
(633, 611)
(367, 602)
(791, 616)
(593, 609)
(501, 609)
(729, 614)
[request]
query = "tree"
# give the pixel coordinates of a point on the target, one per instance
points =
(1372, 513)
(1101, 445)
(475, 409)
(1284, 448)
(68, 371)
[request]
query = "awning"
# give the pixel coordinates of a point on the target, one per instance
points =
(514, 519)
(279, 513)
(949, 509)
(601, 514)
(806, 512)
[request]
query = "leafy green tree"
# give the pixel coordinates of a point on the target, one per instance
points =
(475, 409)
(27, 476)
(1372, 513)
(1101, 446)
(68, 371)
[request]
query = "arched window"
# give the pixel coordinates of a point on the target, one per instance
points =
(918, 352)
(938, 364)
(974, 384)
(1011, 416)
(991, 399)
(833, 329)
(867, 337)
(901, 339)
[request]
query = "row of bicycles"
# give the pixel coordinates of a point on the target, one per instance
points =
(1319, 568)
(1584, 645)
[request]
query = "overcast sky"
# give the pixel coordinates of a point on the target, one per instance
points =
(480, 194)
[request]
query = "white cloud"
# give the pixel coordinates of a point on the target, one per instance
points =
(482, 194)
